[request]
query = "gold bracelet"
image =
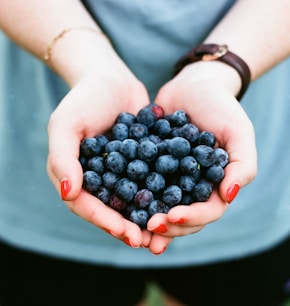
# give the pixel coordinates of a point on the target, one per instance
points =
(51, 44)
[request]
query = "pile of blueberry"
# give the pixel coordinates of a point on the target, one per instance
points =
(150, 162)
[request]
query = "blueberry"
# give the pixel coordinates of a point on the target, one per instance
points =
(116, 162)
(139, 217)
(96, 164)
(129, 148)
(204, 155)
(155, 182)
(102, 140)
(157, 206)
(190, 132)
(83, 161)
(103, 194)
(187, 199)
(189, 166)
(126, 118)
(214, 173)
(147, 151)
(138, 130)
(221, 157)
(143, 198)
(126, 189)
(162, 128)
(178, 147)
(92, 181)
(172, 195)
(202, 191)
(113, 146)
(137, 170)
(166, 164)
(117, 203)
(110, 179)
(147, 117)
(178, 118)
(90, 147)
(186, 182)
(120, 131)
(207, 138)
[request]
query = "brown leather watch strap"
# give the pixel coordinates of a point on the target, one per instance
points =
(210, 52)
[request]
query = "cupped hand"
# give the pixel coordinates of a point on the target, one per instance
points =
(211, 106)
(89, 109)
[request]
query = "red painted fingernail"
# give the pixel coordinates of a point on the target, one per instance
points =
(180, 221)
(161, 229)
(232, 192)
(64, 188)
(129, 243)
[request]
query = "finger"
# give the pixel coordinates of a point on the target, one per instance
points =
(159, 244)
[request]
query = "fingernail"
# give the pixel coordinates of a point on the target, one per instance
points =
(179, 221)
(161, 229)
(161, 252)
(65, 188)
(232, 192)
(129, 243)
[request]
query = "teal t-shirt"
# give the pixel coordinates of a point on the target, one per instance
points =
(149, 36)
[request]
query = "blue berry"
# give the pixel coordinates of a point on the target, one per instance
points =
(129, 148)
(103, 194)
(204, 155)
(92, 181)
(207, 138)
(155, 182)
(139, 217)
(117, 203)
(186, 182)
(190, 132)
(110, 179)
(126, 189)
(116, 162)
(143, 198)
(137, 170)
(113, 146)
(214, 173)
(221, 157)
(166, 164)
(96, 164)
(202, 191)
(120, 131)
(147, 117)
(172, 195)
(162, 128)
(157, 206)
(178, 118)
(147, 151)
(126, 118)
(178, 147)
(138, 130)
(189, 166)
(90, 147)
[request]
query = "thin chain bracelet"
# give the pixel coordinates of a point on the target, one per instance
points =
(51, 44)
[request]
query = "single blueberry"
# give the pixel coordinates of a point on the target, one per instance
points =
(102, 140)
(204, 155)
(214, 173)
(116, 162)
(129, 148)
(190, 132)
(221, 157)
(110, 179)
(147, 151)
(166, 164)
(103, 194)
(126, 189)
(92, 181)
(137, 170)
(117, 203)
(90, 147)
(147, 117)
(143, 198)
(155, 182)
(178, 147)
(202, 191)
(126, 118)
(157, 206)
(172, 195)
(113, 146)
(189, 166)
(120, 131)
(178, 118)
(96, 164)
(138, 130)
(207, 138)
(186, 182)
(139, 217)
(162, 128)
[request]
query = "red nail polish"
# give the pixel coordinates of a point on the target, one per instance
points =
(65, 188)
(232, 192)
(180, 221)
(129, 243)
(160, 229)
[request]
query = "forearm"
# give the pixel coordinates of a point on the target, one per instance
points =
(257, 31)
(34, 24)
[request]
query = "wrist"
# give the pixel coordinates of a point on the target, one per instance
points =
(213, 72)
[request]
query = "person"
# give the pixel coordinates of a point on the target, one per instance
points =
(68, 68)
